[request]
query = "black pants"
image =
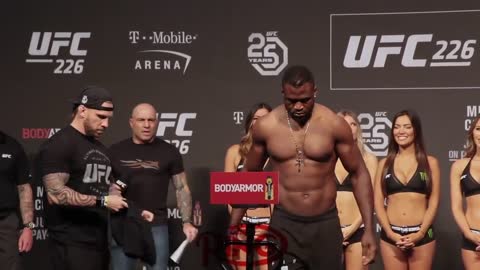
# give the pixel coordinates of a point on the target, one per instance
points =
(313, 243)
(9, 255)
(70, 257)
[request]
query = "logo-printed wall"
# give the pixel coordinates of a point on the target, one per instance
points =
(204, 64)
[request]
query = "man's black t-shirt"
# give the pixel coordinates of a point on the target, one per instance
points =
(85, 159)
(148, 168)
(13, 172)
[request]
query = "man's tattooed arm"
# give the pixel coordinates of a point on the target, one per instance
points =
(184, 198)
(59, 193)
(26, 202)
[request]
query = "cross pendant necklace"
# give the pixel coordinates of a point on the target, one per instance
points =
(299, 161)
(300, 157)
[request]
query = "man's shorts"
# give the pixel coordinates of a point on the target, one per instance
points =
(306, 242)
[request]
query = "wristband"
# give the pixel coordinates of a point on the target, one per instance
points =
(30, 225)
(105, 201)
(99, 201)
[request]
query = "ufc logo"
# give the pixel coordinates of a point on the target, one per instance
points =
(46, 45)
(386, 45)
(171, 120)
(95, 173)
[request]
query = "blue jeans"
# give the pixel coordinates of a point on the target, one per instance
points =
(120, 261)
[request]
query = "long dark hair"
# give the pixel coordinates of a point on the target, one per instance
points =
(420, 152)
(471, 146)
(246, 141)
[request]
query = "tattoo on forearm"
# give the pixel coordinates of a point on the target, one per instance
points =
(184, 198)
(60, 194)
(26, 202)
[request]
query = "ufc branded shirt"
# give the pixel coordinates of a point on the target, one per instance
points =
(14, 171)
(85, 159)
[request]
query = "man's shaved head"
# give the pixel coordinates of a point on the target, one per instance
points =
(143, 107)
(144, 123)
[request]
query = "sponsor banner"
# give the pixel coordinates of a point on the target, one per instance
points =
(244, 187)
(40, 232)
(404, 50)
(471, 111)
(38, 133)
(162, 51)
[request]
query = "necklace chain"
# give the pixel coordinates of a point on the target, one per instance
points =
(300, 159)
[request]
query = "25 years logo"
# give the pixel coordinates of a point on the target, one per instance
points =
(267, 53)
(375, 128)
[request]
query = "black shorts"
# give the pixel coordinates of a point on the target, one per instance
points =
(313, 242)
(469, 245)
(404, 230)
(356, 237)
(70, 257)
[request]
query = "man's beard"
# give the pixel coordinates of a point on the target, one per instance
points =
(301, 120)
(91, 132)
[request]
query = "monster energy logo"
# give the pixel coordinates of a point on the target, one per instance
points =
(430, 233)
(423, 176)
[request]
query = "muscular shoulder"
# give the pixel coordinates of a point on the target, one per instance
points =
(330, 120)
(324, 111)
(273, 117)
(61, 141)
(266, 124)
